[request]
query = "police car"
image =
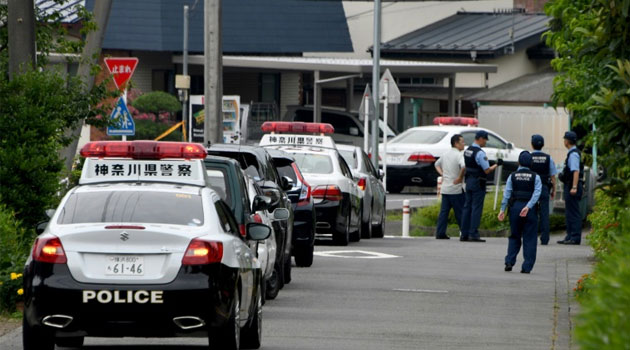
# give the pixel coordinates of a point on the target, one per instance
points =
(143, 248)
(336, 195)
(412, 154)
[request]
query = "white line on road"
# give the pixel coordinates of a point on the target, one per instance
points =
(421, 291)
(363, 254)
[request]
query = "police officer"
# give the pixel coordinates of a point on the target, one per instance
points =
(477, 167)
(572, 176)
(521, 194)
(543, 165)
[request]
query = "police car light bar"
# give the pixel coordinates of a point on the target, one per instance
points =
(297, 127)
(143, 150)
(455, 121)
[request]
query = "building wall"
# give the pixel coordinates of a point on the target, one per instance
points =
(148, 62)
(518, 123)
(511, 67)
(290, 90)
(244, 84)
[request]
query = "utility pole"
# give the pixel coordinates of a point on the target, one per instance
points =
(376, 76)
(21, 27)
(185, 73)
(213, 73)
(90, 56)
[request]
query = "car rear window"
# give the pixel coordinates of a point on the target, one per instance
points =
(133, 206)
(349, 157)
(219, 183)
(287, 170)
(313, 163)
(420, 136)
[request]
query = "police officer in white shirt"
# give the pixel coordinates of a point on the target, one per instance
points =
(452, 168)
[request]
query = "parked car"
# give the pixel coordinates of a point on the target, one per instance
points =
(335, 192)
(303, 208)
(412, 154)
(348, 127)
(258, 164)
(231, 184)
(372, 192)
(143, 248)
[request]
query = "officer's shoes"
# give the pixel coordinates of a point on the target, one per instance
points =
(479, 240)
(508, 267)
(443, 237)
(523, 271)
(571, 243)
(561, 242)
(544, 243)
(463, 239)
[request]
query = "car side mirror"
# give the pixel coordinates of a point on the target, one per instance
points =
(274, 194)
(510, 145)
(41, 227)
(287, 183)
(50, 213)
(258, 232)
(354, 131)
(281, 214)
(261, 203)
(381, 174)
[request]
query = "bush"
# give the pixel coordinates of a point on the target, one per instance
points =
(604, 224)
(157, 102)
(14, 248)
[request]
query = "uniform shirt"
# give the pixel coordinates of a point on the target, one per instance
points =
(481, 158)
(574, 161)
(452, 162)
(552, 166)
(507, 193)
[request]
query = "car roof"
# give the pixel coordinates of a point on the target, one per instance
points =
(347, 147)
(308, 149)
(218, 159)
(138, 186)
(280, 154)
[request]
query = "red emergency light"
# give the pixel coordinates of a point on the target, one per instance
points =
(297, 127)
(143, 150)
(455, 121)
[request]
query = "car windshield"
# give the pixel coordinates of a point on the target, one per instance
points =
(313, 163)
(350, 157)
(420, 136)
(219, 183)
(133, 206)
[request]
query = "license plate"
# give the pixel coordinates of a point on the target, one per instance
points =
(124, 265)
(394, 159)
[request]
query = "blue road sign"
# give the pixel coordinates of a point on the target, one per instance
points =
(123, 122)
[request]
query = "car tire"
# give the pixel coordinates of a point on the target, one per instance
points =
(251, 334)
(273, 283)
(378, 231)
(36, 338)
(342, 238)
(72, 342)
(366, 231)
(228, 336)
(356, 235)
(304, 256)
(287, 270)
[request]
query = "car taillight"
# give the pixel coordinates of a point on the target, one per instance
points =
(370, 156)
(257, 218)
(202, 252)
(331, 192)
(361, 183)
(49, 250)
(242, 229)
(305, 193)
(422, 158)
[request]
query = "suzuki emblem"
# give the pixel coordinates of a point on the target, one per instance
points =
(124, 236)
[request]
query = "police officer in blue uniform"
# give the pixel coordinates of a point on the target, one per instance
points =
(521, 195)
(477, 167)
(543, 165)
(572, 176)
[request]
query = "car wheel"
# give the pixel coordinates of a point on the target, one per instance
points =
(287, 269)
(367, 226)
(273, 283)
(36, 338)
(342, 238)
(378, 231)
(73, 342)
(356, 235)
(251, 334)
(304, 256)
(228, 337)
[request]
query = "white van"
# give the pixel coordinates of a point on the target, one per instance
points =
(348, 127)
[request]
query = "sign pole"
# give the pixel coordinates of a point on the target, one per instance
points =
(366, 123)
(124, 96)
(385, 111)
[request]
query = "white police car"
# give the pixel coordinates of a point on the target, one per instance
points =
(412, 154)
(143, 248)
(336, 195)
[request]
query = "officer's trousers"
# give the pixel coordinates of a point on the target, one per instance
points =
(572, 212)
(543, 215)
(455, 201)
(473, 207)
(522, 229)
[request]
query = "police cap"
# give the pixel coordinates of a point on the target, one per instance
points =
(525, 159)
(571, 136)
(481, 134)
(538, 140)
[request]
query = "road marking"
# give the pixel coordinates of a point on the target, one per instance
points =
(421, 291)
(358, 254)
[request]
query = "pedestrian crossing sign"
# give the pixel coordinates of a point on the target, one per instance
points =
(123, 124)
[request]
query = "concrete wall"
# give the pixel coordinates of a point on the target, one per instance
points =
(518, 123)
(147, 62)
(290, 90)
